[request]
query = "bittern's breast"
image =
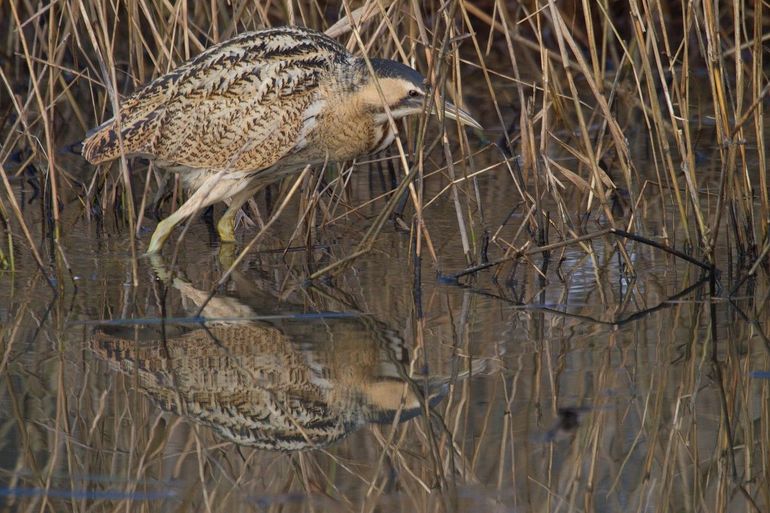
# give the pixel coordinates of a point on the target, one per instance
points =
(344, 131)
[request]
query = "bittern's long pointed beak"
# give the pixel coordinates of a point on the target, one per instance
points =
(453, 112)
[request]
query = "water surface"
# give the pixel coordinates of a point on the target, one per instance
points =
(560, 383)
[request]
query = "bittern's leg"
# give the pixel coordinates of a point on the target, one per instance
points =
(226, 225)
(209, 192)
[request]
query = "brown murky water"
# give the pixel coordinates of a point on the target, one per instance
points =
(559, 385)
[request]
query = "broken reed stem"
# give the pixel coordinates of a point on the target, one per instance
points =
(590, 236)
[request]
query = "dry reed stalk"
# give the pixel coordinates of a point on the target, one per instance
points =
(759, 93)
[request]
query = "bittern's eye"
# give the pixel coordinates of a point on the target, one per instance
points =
(414, 93)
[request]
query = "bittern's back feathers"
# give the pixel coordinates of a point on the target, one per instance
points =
(238, 105)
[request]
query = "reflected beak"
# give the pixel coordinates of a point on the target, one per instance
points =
(460, 115)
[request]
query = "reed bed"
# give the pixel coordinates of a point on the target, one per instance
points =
(560, 88)
(620, 135)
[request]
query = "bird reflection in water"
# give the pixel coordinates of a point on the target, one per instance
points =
(287, 382)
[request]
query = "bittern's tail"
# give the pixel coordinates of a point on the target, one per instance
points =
(138, 132)
(100, 144)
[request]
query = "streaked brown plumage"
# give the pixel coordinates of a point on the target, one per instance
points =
(259, 106)
(289, 384)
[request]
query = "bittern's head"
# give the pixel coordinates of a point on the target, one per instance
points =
(403, 89)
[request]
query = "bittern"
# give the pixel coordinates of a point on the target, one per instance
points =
(258, 107)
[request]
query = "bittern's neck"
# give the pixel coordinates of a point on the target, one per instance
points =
(345, 129)
(351, 78)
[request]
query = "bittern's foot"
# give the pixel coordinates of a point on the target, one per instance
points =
(156, 244)
(226, 228)
(160, 235)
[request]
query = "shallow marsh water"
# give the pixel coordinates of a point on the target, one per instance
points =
(571, 386)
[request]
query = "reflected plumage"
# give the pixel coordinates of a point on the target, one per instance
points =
(290, 384)
(257, 107)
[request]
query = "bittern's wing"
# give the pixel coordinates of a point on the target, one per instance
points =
(239, 105)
